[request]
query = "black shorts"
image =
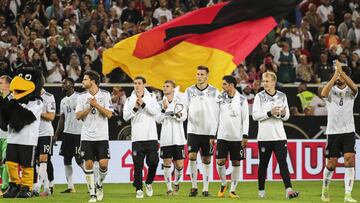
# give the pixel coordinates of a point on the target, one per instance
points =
(24, 155)
(200, 142)
(175, 152)
(70, 145)
(339, 144)
(224, 147)
(44, 146)
(95, 150)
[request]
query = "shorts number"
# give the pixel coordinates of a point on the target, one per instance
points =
(46, 148)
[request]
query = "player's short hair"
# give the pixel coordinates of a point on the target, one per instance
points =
(93, 75)
(70, 80)
(170, 82)
(270, 74)
(6, 78)
(230, 79)
(140, 78)
(203, 68)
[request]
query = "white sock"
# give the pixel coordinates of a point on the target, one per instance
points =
(90, 181)
(178, 174)
(96, 171)
(42, 176)
(46, 184)
(206, 176)
(102, 175)
(69, 176)
(327, 175)
(222, 173)
(349, 179)
(167, 176)
(235, 175)
(193, 174)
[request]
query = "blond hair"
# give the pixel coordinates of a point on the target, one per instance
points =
(270, 74)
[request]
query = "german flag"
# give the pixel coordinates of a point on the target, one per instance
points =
(219, 37)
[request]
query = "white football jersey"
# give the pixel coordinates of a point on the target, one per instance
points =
(46, 128)
(172, 127)
(68, 107)
(95, 126)
(203, 110)
(270, 128)
(234, 117)
(340, 104)
(30, 133)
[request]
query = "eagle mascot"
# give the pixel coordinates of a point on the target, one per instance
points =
(20, 117)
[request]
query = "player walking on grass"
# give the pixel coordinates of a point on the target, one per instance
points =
(270, 109)
(172, 137)
(70, 129)
(340, 93)
(141, 108)
(232, 133)
(203, 116)
(94, 109)
(44, 147)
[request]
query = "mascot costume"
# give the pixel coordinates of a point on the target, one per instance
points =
(21, 118)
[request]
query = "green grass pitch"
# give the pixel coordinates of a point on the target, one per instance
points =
(309, 192)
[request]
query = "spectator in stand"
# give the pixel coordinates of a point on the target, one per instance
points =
(318, 104)
(323, 68)
(73, 70)
(306, 36)
(20, 62)
(355, 67)
(295, 37)
(247, 92)
(87, 63)
(55, 10)
(38, 62)
(91, 49)
(331, 38)
(253, 74)
(55, 69)
(303, 98)
(314, 19)
(52, 47)
(240, 74)
(118, 98)
(130, 14)
(38, 47)
(324, 10)
(4, 63)
(331, 21)
(276, 47)
(163, 11)
(345, 26)
(268, 65)
(354, 33)
(256, 87)
(304, 72)
(286, 62)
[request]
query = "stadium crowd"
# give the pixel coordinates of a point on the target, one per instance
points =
(66, 38)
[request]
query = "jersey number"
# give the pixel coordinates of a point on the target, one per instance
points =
(341, 102)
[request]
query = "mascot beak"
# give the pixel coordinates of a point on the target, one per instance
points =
(21, 87)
